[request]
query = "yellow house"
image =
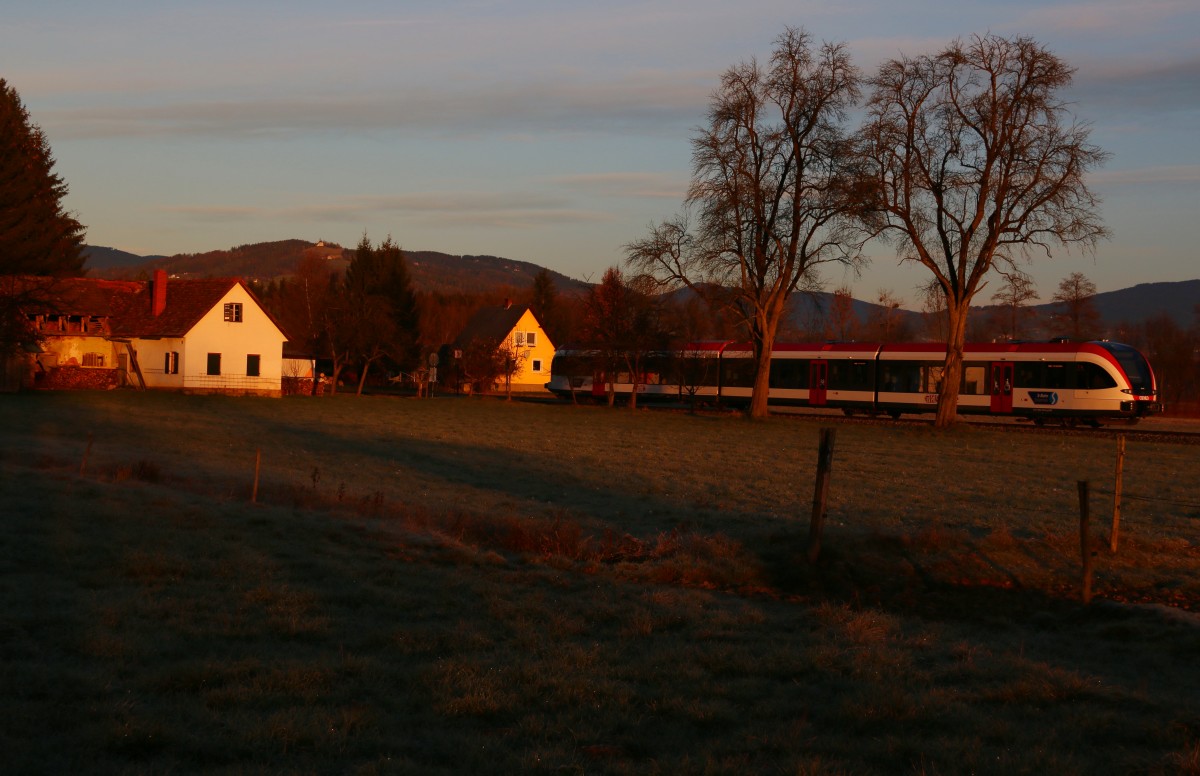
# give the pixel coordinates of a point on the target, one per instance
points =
(516, 331)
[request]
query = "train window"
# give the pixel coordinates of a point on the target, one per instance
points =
(737, 372)
(974, 381)
(931, 379)
(1092, 377)
(789, 373)
(696, 371)
(900, 377)
(852, 375)
(1027, 375)
(1057, 376)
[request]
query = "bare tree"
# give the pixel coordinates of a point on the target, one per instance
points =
(1013, 296)
(887, 322)
(1076, 296)
(769, 190)
(975, 160)
(843, 323)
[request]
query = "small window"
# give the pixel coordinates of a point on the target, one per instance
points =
(531, 340)
(233, 312)
(214, 363)
(171, 363)
(519, 338)
(252, 362)
(93, 359)
(537, 365)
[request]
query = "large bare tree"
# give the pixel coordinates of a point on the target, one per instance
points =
(769, 194)
(976, 160)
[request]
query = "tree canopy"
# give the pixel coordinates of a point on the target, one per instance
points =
(38, 236)
(769, 190)
(973, 158)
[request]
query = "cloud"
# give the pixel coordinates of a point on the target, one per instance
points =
(646, 102)
(1176, 174)
(625, 184)
(506, 210)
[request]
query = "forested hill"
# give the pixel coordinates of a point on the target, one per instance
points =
(431, 271)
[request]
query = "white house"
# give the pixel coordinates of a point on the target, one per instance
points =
(208, 335)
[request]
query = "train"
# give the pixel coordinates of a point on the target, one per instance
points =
(1062, 381)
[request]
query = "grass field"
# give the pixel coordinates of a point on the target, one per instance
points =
(478, 586)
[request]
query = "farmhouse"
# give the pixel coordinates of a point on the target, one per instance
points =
(208, 335)
(516, 331)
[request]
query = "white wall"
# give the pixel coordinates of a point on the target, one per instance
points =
(255, 333)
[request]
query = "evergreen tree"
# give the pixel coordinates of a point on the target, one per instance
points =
(377, 278)
(38, 236)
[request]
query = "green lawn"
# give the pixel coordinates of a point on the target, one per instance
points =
(477, 586)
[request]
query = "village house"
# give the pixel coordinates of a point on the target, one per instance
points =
(516, 331)
(209, 335)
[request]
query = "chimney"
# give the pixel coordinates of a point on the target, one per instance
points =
(158, 292)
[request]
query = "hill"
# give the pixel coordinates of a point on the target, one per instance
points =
(431, 270)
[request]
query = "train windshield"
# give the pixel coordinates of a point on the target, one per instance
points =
(1134, 364)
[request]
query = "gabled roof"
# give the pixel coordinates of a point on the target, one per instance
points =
(490, 323)
(187, 302)
(128, 303)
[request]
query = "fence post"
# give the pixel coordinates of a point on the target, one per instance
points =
(824, 466)
(87, 451)
(1112, 539)
(1084, 544)
(257, 464)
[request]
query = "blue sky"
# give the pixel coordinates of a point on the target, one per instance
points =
(552, 132)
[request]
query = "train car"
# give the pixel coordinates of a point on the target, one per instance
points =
(1063, 381)
(582, 373)
(1066, 381)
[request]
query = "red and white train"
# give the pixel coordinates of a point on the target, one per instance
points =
(1068, 381)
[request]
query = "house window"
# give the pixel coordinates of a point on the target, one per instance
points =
(233, 312)
(531, 339)
(214, 363)
(171, 363)
(252, 362)
(537, 365)
(519, 338)
(93, 359)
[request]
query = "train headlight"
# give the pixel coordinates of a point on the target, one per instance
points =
(1127, 390)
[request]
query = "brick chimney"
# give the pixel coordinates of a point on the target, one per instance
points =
(158, 292)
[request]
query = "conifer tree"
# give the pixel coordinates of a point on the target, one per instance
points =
(39, 237)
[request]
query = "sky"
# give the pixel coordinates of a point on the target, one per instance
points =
(555, 132)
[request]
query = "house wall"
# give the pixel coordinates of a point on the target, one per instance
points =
(254, 334)
(152, 359)
(70, 350)
(526, 378)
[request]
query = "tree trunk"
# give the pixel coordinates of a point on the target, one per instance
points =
(947, 411)
(762, 384)
(362, 378)
(765, 324)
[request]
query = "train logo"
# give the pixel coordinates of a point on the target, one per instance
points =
(1044, 397)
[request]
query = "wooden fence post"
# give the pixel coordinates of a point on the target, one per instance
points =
(824, 466)
(86, 452)
(257, 464)
(1085, 545)
(1112, 539)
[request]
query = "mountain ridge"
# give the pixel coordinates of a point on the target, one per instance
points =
(437, 272)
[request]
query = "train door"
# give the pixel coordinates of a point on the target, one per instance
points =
(818, 374)
(599, 389)
(1002, 388)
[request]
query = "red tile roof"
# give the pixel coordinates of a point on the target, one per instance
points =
(127, 303)
(187, 303)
